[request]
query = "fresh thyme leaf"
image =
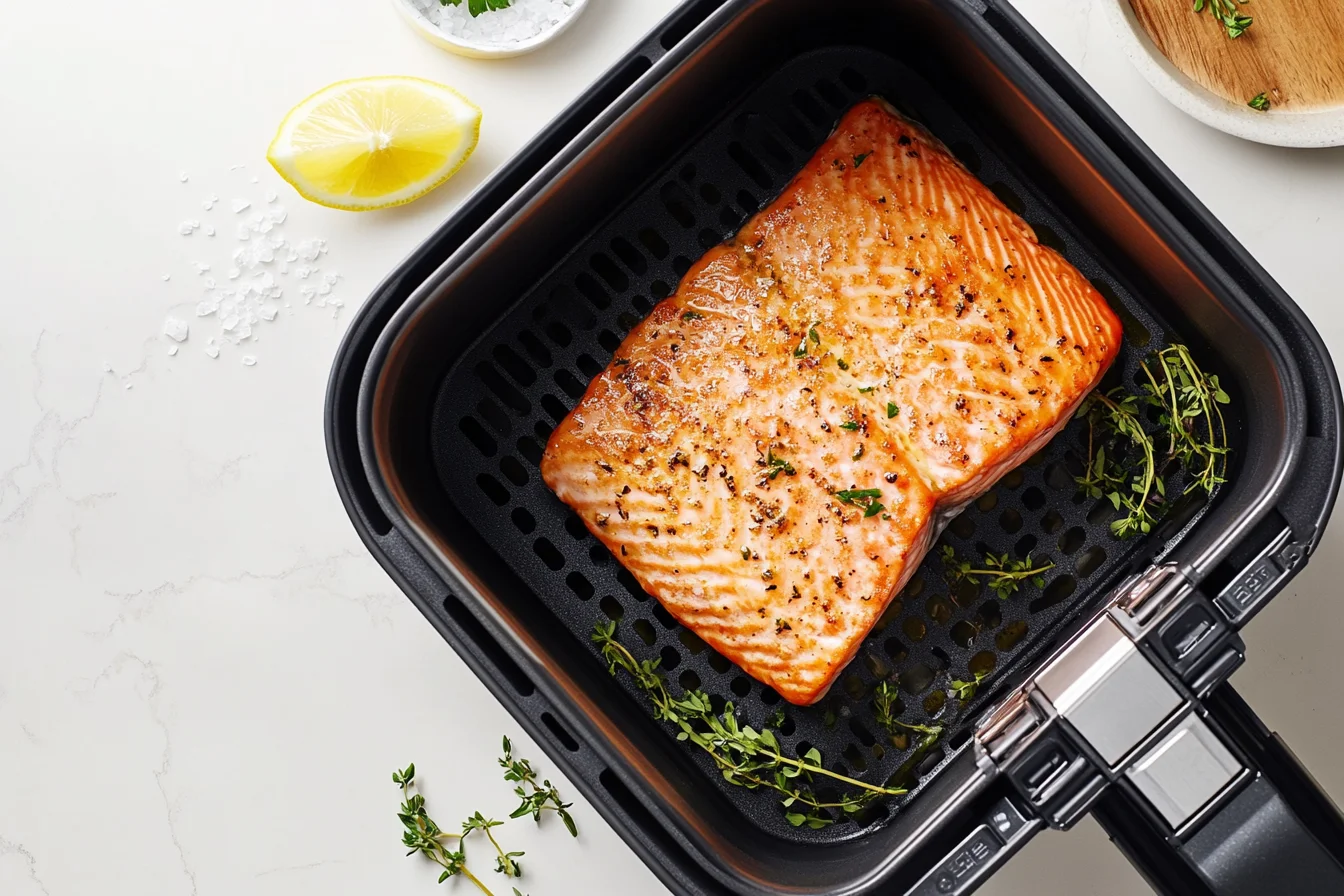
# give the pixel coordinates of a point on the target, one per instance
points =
(892, 410)
(1260, 102)
(745, 757)
(864, 390)
(842, 363)
(776, 465)
(858, 495)
(885, 701)
(1004, 575)
(965, 690)
(850, 425)
(692, 315)
(1188, 402)
(1225, 11)
(536, 798)
(860, 158)
(476, 7)
(813, 335)
(422, 835)
(873, 509)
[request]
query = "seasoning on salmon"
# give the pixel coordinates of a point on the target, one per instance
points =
(772, 452)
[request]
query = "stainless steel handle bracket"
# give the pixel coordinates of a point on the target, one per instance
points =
(1118, 705)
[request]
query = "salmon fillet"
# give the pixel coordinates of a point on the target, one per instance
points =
(772, 452)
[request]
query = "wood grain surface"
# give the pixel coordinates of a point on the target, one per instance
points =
(1294, 52)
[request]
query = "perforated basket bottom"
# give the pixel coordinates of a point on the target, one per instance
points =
(498, 405)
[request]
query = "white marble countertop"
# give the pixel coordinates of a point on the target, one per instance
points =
(205, 681)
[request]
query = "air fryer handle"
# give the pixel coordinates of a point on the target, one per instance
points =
(1279, 832)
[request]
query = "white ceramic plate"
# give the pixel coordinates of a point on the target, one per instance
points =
(1301, 129)
(479, 49)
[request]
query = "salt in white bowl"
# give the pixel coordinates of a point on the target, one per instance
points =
(433, 21)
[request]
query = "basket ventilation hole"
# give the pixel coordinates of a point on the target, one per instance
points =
(678, 204)
(748, 203)
(917, 679)
(720, 664)
(503, 390)
(1010, 521)
(688, 173)
(990, 614)
(933, 703)
(966, 153)
(560, 733)
(535, 349)
(853, 686)
(663, 617)
(807, 104)
(671, 659)
(593, 292)
(599, 554)
(940, 659)
(1090, 560)
(1025, 545)
(1052, 522)
(1072, 540)
(514, 365)
(559, 333)
(982, 663)
(691, 641)
(741, 686)
(1058, 590)
(1101, 512)
(769, 696)
(915, 629)
(962, 527)
(854, 757)
(513, 470)
(659, 290)
(493, 490)
(609, 341)
(750, 165)
(610, 273)
(575, 526)
(709, 238)
(863, 734)
(549, 554)
(477, 435)
(710, 194)
(525, 522)
(1011, 635)
(730, 219)
(580, 585)
(1012, 479)
(497, 419)
(629, 255)
(568, 382)
(963, 633)
(1033, 498)
(987, 502)
(895, 649)
(588, 365)
(612, 608)
(630, 585)
(689, 681)
(553, 407)
(856, 82)
(680, 265)
(530, 450)
(654, 242)
(831, 94)
(644, 629)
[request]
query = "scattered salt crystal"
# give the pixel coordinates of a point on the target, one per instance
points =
(107, 367)
(520, 22)
(212, 351)
(209, 202)
(183, 177)
(237, 167)
(202, 267)
(187, 228)
(271, 196)
(242, 232)
(176, 329)
(165, 277)
(304, 272)
(240, 205)
(172, 351)
(254, 179)
(209, 231)
(234, 273)
(249, 361)
(206, 307)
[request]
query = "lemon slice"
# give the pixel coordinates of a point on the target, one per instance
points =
(375, 142)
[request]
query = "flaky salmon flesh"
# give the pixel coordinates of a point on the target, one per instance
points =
(773, 451)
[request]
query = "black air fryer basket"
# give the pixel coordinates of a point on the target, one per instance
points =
(1107, 690)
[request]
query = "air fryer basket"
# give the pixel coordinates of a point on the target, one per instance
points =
(497, 405)
(504, 322)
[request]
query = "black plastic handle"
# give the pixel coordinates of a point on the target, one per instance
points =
(1280, 833)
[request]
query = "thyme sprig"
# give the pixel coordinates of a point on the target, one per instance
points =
(965, 690)
(1004, 574)
(1225, 11)
(424, 836)
(536, 798)
(885, 701)
(744, 756)
(1188, 402)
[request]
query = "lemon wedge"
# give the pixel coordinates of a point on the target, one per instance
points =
(375, 142)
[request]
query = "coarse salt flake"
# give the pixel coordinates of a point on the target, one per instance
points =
(249, 361)
(176, 329)
(241, 205)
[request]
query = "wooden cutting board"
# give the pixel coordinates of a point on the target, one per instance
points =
(1294, 52)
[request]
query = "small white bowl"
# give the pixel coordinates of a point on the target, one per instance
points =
(1324, 127)
(481, 49)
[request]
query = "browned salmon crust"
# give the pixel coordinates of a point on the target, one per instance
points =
(772, 451)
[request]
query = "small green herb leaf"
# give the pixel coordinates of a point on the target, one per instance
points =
(1260, 102)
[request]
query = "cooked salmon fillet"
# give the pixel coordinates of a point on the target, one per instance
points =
(772, 452)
